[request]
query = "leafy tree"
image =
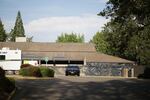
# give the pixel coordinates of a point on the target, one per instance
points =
(128, 31)
(100, 42)
(3, 35)
(18, 30)
(121, 10)
(74, 38)
(118, 35)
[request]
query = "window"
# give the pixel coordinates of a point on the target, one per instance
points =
(2, 57)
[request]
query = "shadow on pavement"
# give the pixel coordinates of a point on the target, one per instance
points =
(58, 89)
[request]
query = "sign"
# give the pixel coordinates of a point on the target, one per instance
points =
(46, 59)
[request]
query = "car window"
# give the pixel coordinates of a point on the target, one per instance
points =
(72, 67)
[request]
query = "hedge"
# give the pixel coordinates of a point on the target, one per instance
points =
(2, 73)
(146, 74)
(7, 85)
(37, 71)
(30, 71)
(46, 72)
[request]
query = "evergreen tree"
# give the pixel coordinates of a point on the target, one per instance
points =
(18, 30)
(3, 35)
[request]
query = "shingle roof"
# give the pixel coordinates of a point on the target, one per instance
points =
(49, 47)
(68, 51)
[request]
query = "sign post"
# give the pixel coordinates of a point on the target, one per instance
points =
(46, 60)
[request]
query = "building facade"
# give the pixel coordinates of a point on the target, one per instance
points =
(59, 55)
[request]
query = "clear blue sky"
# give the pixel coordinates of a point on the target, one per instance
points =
(46, 19)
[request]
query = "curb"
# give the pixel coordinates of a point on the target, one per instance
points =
(18, 77)
(12, 94)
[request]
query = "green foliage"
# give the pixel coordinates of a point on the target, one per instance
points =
(146, 73)
(2, 73)
(73, 38)
(6, 85)
(36, 71)
(30, 71)
(18, 30)
(12, 80)
(46, 72)
(24, 71)
(121, 10)
(3, 35)
(100, 42)
(127, 33)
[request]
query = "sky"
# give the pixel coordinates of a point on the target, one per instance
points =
(45, 20)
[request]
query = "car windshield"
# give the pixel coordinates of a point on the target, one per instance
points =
(73, 67)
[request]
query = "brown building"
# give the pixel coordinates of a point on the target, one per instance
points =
(59, 55)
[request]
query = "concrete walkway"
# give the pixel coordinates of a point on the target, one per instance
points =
(82, 88)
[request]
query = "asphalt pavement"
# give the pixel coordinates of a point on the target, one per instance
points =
(82, 88)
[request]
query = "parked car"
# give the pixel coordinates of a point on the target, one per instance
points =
(73, 70)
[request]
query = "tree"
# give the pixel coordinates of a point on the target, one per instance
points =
(3, 35)
(18, 30)
(30, 39)
(121, 10)
(100, 42)
(73, 38)
(128, 31)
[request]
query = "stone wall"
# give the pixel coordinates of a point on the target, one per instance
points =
(97, 69)
(138, 70)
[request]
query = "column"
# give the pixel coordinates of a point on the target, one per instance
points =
(132, 72)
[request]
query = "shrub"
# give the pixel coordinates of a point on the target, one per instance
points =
(46, 72)
(26, 65)
(2, 73)
(34, 71)
(24, 71)
(30, 71)
(146, 73)
(12, 80)
(7, 85)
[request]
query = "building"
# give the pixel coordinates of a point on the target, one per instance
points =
(59, 55)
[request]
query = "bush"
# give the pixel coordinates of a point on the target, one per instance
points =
(146, 73)
(30, 71)
(24, 71)
(35, 71)
(26, 65)
(2, 73)
(7, 85)
(46, 72)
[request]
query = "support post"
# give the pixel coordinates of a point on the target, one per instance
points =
(132, 72)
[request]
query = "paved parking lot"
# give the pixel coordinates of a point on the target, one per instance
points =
(83, 88)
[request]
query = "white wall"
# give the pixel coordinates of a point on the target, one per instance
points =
(32, 62)
(10, 65)
(11, 54)
(21, 39)
(12, 59)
